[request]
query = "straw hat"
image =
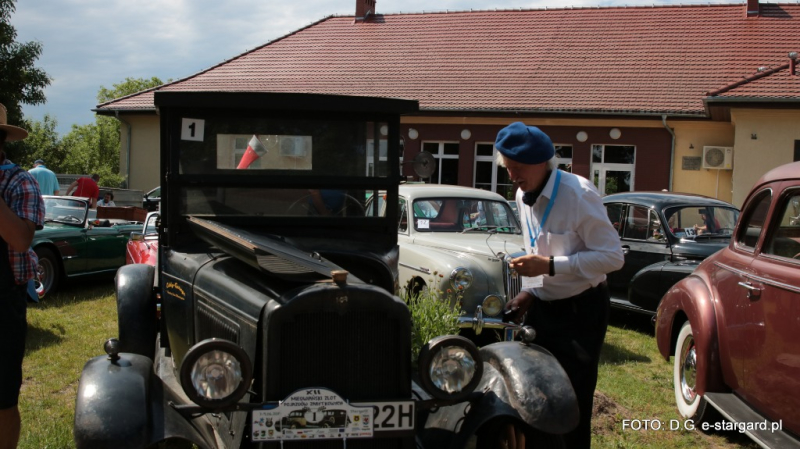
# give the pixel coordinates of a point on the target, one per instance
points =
(13, 133)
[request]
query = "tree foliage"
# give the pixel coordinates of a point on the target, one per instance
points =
(20, 81)
(127, 87)
(43, 142)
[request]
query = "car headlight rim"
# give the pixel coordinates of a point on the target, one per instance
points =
(492, 305)
(224, 355)
(461, 278)
(431, 354)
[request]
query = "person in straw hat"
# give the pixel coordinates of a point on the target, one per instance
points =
(21, 213)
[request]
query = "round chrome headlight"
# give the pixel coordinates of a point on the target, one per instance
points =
(215, 373)
(492, 305)
(450, 367)
(460, 278)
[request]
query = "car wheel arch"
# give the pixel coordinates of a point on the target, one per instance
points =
(416, 285)
(701, 314)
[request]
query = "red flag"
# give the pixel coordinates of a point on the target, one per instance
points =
(255, 149)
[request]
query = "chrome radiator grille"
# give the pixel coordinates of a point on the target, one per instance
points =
(511, 280)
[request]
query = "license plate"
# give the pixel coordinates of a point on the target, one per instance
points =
(321, 414)
(391, 416)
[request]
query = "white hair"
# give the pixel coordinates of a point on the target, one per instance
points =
(552, 164)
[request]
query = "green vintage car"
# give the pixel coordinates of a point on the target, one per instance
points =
(75, 243)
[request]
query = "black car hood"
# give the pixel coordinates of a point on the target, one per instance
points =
(701, 248)
(269, 253)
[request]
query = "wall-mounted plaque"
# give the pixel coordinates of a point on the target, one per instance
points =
(691, 162)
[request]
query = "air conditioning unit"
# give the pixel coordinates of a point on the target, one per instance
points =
(718, 158)
(293, 146)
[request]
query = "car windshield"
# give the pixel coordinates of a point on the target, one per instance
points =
(155, 193)
(65, 210)
(695, 221)
(463, 215)
(281, 167)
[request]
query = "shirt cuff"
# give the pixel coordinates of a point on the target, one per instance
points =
(561, 264)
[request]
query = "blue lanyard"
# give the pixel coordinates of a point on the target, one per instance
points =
(533, 236)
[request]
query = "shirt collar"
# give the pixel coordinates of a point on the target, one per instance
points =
(548, 187)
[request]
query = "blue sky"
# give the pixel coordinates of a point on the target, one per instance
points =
(92, 43)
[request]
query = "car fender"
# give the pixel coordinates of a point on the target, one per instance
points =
(523, 383)
(650, 283)
(136, 309)
(128, 384)
(433, 266)
(690, 299)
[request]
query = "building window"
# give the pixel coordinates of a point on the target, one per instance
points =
(382, 151)
(796, 150)
(612, 168)
(446, 155)
(490, 176)
(564, 157)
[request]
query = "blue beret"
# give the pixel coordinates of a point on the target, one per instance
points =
(524, 144)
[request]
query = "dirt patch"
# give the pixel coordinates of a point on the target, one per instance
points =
(607, 415)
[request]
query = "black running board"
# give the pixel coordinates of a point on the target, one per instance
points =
(766, 433)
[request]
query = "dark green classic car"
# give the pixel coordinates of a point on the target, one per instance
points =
(75, 243)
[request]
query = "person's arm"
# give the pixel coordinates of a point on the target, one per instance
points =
(72, 187)
(603, 252)
(17, 232)
(56, 192)
(94, 203)
(316, 200)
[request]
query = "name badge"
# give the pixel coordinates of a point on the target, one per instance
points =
(532, 282)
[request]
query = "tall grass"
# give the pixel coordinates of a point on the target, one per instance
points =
(64, 331)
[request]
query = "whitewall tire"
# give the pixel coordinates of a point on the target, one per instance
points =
(690, 404)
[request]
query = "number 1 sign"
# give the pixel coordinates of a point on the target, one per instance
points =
(192, 129)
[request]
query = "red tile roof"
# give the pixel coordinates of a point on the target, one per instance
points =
(769, 83)
(630, 60)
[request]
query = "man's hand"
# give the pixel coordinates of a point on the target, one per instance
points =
(531, 265)
(516, 308)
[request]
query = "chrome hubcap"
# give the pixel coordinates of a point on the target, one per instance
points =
(45, 271)
(688, 371)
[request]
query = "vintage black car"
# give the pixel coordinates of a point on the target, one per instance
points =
(270, 307)
(664, 237)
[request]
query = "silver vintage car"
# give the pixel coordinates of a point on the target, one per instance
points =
(456, 240)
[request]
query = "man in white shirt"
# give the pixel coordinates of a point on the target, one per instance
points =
(107, 201)
(570, 245)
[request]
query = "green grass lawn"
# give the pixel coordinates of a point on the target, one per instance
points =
(69, 328)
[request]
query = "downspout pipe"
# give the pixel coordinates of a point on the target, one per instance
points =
(127, 151)
(671, 151)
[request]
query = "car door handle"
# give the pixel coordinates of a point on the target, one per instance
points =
(752, 291)
(625, 249)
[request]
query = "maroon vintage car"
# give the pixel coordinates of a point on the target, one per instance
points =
(142, 246)
(733, 326)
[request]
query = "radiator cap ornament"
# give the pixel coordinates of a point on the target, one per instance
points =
(339, 277)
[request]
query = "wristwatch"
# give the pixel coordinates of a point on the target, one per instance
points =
(552, 266)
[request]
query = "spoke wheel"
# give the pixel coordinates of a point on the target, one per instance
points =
(48, 269)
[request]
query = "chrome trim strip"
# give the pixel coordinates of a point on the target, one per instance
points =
(763, 280)
(411, 267)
